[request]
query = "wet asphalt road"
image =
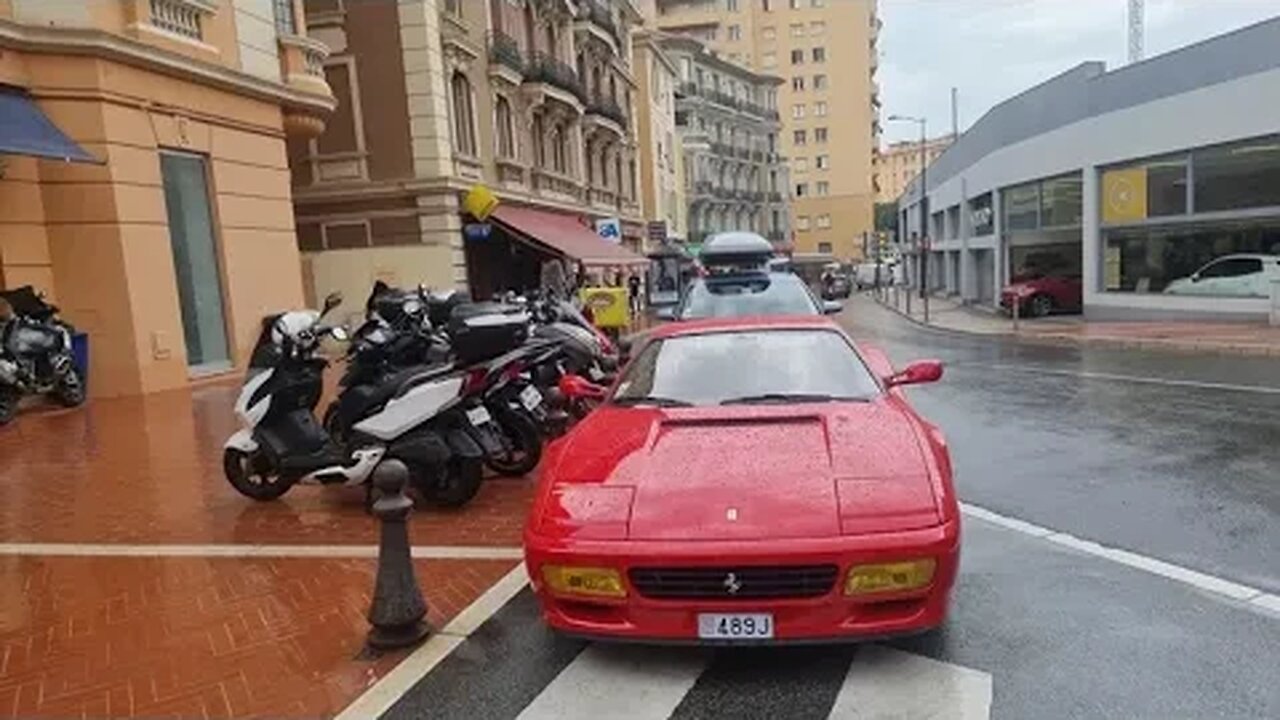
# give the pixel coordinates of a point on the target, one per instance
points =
(1181, 473)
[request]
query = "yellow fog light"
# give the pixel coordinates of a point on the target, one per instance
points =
(596, 582)
(889, 577)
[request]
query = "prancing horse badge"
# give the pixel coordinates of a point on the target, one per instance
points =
(731, 514)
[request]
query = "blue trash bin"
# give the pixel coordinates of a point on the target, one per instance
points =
(80, 354)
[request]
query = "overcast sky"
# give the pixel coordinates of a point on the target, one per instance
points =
(994, 49)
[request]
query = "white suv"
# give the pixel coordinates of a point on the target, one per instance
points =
(1243, 275)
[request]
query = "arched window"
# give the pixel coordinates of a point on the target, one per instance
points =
(591, 166)
(631, 179)
(560, 150)
(464, 135)
(551, 40)
(539, 142)
(604, 169)
(617, 174)
(505, 130)
(613, 89)
(529, 26)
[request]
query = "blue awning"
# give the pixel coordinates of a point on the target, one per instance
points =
(26, 130)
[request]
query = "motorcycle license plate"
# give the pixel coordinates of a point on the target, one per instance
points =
(479, 416)
(595, 373)
(530, 397)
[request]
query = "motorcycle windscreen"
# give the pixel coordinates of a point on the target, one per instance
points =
(411, 409)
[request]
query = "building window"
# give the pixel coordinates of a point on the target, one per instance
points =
(1165, 180)
(798, 137)
(818, 3)
(453, 7)
(824, 188)
(735, 32)
(769, 60)
(802, 165)
(464, 134)
(820, 108)
(802, 222)
(766, 5)
(981, 216)
(819, 55)
(1238, 176)
(797, 111)
(822, 162)
(824, 247)
(817, 27)
(1193, 260)
(286, 23)
(797, 30)
(824, 222)
(1061, 201)
(797, 57)
(797, 83)
(795, 4)
(1021, 206)
(539, 142)
(802, 189)
(731, 5)
(559, 150)
(819, 82)
(820, 135)
(506, 130)
(769, 34)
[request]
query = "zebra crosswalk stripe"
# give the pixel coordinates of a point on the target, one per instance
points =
(619, 681)
(884, 683)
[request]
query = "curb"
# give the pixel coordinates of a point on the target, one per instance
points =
(1063, 340)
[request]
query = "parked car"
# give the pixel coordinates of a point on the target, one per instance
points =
(748, 481)
(1039, 295)
(1240, 275)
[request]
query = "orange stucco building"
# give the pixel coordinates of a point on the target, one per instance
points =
(171, 247)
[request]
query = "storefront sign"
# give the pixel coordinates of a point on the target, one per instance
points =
(608, 305)
(610, 229)
(657, 230)
(1124, 195)
(480, 202)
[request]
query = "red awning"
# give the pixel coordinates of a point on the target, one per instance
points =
(564, 234)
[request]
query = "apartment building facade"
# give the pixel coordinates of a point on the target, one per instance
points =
(662, 188)
(899, 163)
(825, 52)
(531, 99)
(144, 185)
(727, 122)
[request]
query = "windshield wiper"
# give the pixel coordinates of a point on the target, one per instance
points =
(650, 400)
(787, 398)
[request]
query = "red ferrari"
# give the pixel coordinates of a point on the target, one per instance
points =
(748, 480)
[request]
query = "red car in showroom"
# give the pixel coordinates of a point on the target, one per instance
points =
(748, 480)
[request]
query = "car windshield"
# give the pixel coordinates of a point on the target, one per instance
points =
(764, 294)
(750, 366)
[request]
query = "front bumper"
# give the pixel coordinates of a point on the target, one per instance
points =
(831, 617)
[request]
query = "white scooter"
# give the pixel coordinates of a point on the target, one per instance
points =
(281, 442)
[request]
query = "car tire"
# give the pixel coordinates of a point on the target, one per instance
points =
(1039, 306)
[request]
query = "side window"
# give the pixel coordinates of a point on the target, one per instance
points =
(1235, 267)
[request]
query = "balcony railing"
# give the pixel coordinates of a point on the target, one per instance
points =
(744, 153)
(178, 17)
(703, 187)
(775, 197)
(776, 236)
(609, 108)
(505, 50)
(757, 155)
(555, 72)
(597, 13)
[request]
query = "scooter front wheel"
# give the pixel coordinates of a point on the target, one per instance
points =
(249, 479)
(524, 444)
(457, 483)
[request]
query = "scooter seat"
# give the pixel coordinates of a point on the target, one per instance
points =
(359, 401)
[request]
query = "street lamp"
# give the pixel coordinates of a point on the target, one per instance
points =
(924, 210)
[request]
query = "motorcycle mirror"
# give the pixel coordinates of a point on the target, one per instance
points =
(331, 301)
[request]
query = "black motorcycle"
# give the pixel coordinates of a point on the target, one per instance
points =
(35, 354)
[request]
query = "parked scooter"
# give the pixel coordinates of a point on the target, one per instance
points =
(35, 353)
(281, 443)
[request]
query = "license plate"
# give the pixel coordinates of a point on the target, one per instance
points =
(595, 373)
(735, 626)
(530, 397)
(479, 416)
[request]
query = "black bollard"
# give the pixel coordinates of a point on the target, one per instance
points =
(398, 606)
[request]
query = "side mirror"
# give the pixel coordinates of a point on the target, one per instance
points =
(920, 371)
(665, 313)
(831, 307)
(1195, 277)
(331, 301)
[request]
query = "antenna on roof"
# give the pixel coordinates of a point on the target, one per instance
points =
(1135, 30)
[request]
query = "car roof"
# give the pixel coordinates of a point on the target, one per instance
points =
(746, 323)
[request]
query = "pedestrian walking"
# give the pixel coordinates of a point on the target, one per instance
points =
(633, 294)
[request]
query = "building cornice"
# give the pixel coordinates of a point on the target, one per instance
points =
(98, 43)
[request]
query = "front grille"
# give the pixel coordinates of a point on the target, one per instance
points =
(734, 583)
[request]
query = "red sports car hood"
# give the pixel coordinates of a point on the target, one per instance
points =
(746, 472)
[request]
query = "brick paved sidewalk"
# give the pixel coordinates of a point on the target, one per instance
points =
(1227, 338)
(258, 613)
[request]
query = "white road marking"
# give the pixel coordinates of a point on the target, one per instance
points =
(1202, 581)
(1115, 377)
(887, 684)
(640, 683)
(431, 552)
(386, 691)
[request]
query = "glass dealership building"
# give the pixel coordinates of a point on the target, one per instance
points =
(1156, 184)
